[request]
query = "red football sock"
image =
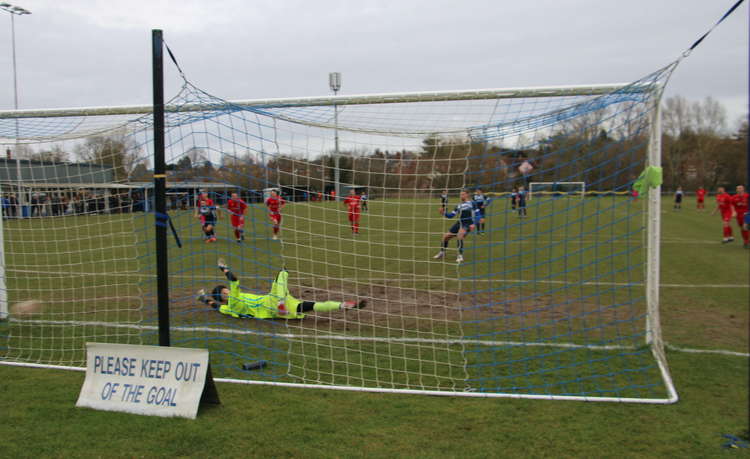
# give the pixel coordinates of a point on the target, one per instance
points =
(727, 231)
(746, 236)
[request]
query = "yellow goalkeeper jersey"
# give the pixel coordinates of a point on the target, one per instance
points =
(268, 306)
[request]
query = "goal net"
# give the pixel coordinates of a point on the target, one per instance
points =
(560, 304)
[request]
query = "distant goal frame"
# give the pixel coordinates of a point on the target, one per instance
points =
(554, 193)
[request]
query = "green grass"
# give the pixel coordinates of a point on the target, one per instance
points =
(40, 419)
(713, 388)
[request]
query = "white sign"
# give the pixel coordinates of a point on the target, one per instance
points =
(150, 380)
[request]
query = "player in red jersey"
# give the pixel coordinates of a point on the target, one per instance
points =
(739, 205)
(205, 210)
(724, 206)
(237, 208)
(275, 203)
(353, 204)
(700, 196)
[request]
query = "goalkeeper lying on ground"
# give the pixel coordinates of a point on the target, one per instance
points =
(279, 304)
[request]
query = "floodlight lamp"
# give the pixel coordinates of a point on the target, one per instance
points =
(334, 81)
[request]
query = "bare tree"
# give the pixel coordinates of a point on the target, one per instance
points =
(117, 150)
(675, 116)
(55, 154)
(196, 155)
(695, 142)
(708, 117)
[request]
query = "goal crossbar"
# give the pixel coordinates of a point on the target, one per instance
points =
(360, 99)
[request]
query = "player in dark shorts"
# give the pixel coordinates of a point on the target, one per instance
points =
(363, 201)
(678, 198)
(465, 211)
(480, 203)
(205, 210)
(521, 201)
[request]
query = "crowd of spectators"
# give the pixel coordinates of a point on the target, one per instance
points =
(54, 204)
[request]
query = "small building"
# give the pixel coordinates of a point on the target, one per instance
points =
(48, 188)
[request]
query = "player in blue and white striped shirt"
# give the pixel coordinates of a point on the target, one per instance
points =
(521, 201)
(480, 203)
(465, 211)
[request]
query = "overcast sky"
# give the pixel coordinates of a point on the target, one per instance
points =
(77, 53)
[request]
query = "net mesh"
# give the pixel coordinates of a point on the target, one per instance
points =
(548, 300)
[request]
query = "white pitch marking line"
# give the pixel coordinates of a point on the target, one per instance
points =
(416, 277)
(293, 336)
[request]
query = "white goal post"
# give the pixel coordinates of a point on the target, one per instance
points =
(498, 323)
(557, 189)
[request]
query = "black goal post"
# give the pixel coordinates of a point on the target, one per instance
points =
(160, 178)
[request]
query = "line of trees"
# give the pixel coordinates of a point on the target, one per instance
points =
(697, 148)
(606, 149)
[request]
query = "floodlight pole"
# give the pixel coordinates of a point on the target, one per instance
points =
(334, 81)
(15, 11)
(160, 178)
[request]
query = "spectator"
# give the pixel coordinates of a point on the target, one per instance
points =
(34, 205)
(56, 205)
(13, 205)
(6, 207)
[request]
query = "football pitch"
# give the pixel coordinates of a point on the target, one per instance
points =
(703, 306)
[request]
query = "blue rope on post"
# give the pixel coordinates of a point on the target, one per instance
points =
(161, 221)
(698, 41)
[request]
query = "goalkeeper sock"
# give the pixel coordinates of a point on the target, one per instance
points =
(325, 306)
(230, 276)
(461, 246)
(445, 245)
